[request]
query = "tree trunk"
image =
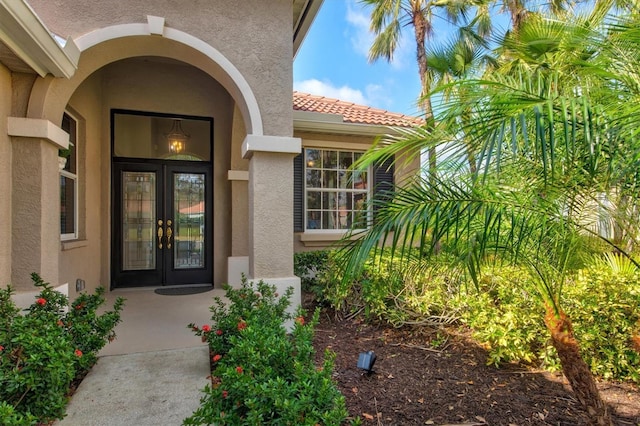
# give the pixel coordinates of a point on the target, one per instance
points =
(575, 369)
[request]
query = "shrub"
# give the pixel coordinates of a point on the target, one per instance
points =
(393, 292)
(307, 266)
(262, 375)
(604, 307)
(45, 349)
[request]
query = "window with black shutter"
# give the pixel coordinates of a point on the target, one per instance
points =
(328, 195)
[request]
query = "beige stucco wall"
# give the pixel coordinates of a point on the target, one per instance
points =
(5, 178)
(84, 258)
(260, 48)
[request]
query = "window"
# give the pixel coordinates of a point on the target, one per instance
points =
(69, 182)
(330, 197)
(336, 197)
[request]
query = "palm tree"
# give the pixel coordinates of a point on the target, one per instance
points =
(388, 17)
(550, 135)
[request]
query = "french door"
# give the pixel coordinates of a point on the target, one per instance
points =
(162, 223)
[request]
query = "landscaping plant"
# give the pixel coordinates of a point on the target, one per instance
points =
(44, 350)
(261, 375)
(552, 129)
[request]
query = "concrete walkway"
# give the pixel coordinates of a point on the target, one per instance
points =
(148, 388)
(155, 370)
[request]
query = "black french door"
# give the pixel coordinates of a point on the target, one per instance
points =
(162, 223)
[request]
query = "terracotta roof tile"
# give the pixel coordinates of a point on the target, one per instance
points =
(352, 113)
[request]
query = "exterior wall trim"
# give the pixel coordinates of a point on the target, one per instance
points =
(38, 129)
(155, 26)
(280, 144)
(31, 41)
(242, 175)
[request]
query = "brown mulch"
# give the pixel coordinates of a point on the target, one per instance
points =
(414, 383)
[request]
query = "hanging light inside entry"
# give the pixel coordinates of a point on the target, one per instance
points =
(177, 138)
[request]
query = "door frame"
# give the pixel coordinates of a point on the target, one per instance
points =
(165, 167)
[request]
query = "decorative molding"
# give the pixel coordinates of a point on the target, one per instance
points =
(156, 25)
(262, 143)
(39, 129)
(238, 175)
(235, 83)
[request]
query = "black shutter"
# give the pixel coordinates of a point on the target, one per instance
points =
(298, 193)
(382, 183)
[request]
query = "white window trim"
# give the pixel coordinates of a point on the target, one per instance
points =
(74, 177)
(310, 234)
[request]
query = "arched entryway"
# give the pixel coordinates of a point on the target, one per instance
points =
(127, 70)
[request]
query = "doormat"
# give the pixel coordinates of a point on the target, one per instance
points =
(182, 291)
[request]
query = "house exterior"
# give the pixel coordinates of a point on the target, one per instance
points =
(176, 124)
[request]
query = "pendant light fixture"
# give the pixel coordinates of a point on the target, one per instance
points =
(177, 138)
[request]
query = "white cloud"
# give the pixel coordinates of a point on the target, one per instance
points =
(325, 88)
(361, 37)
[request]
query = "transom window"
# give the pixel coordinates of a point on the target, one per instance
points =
(336, 196)
(69, 182)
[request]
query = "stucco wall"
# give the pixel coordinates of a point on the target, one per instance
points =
(5, 179)
(255, 35)
(83, 258)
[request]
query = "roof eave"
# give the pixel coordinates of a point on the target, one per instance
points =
(317, 122)
(308, 11)
(22, 31)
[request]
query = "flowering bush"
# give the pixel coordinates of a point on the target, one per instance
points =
(261, 374)
(44, 350)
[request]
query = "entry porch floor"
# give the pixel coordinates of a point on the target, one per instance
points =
(155, 370)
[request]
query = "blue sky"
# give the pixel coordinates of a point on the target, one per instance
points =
(332, 62)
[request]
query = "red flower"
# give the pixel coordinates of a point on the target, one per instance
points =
(216, 358)
(41, 301)
(219, 332)
(206, 328)
(225, 394)
(60, 323)
(78, 353)
(242, 325)
(239, 370)
(80, 306)
(1, 348)
(300, 320)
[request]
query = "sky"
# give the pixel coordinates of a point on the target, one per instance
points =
(333, 61)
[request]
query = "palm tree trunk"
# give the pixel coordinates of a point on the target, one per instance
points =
(575, 369)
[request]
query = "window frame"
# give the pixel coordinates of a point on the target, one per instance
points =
(64, 173)
(306, 189)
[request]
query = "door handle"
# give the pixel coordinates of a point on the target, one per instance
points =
(160, 234)
(169, 233)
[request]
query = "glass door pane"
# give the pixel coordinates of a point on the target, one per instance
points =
(189, 220)
(139, 220)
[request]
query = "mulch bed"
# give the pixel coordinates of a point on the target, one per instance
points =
(416, 384)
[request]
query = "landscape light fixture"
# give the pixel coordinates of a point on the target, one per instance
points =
(177, 138)
(366, 361)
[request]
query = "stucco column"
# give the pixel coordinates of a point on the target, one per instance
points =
(35, 177)
(270, 195)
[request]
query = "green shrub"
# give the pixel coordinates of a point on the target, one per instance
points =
(603, 306)
(262, 375)
(393, 292)
(42, 351)
(307, 265)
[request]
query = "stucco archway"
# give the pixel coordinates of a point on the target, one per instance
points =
(106, 45)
